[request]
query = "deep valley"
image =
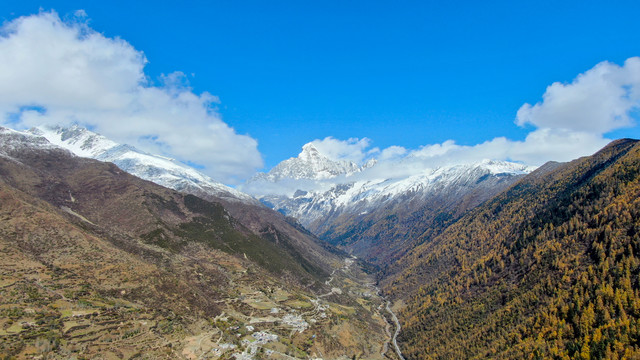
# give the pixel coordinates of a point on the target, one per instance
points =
(490, 260)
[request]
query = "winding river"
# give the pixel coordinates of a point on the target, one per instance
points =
(395, 334)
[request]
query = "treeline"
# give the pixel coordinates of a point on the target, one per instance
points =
(548, 269)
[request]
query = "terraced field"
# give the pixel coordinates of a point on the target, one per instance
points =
(53, 312)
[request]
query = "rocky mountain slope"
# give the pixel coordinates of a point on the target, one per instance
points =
(547, 269)
(261, 220)
(96, 262)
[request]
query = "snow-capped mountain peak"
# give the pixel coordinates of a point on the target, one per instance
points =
(310, 153)
(76, 139)
(155, 168)
(310, 164)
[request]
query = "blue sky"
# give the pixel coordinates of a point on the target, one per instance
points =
(407, 74)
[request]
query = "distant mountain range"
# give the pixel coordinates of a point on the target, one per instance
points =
(377, 218)
(381, 216)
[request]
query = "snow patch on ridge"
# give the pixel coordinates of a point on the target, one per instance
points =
(158, 169)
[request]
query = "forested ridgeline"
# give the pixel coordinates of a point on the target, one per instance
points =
(548, 269)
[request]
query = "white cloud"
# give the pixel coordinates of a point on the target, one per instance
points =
(597, 101)
(571, 121)
(538, 147)
(392, 152)
(352, 149)
(57, 72)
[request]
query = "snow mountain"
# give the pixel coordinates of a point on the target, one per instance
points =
(340, 202)
(310, 164)
(315, 209)
(155, 168)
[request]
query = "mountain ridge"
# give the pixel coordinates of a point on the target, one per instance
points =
(159, 169)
